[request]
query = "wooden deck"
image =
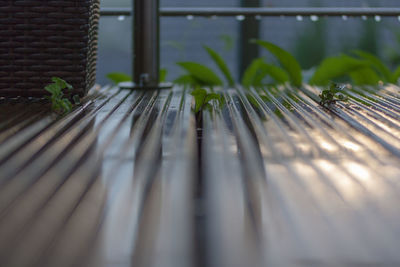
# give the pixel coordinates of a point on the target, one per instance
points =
(132, 178)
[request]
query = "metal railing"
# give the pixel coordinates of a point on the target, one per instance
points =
(236, 11)
(146, 27)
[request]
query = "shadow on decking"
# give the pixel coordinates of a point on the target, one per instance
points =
(281, 181)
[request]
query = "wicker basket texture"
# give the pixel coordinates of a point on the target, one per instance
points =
(40, 39)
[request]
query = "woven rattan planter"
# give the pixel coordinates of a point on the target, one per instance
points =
(40, 39)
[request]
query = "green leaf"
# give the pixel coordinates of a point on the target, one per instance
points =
(53, 88)
(199, 98)
(207, 106)
(377, 64)
(58, 103)
(201, 73)
(219, 61)
(55, 105)
(187, 80)
(332, 94)
(277, 73)
(253, 101)
(199, 92)
(61, 84)
(66, 104)
(396, 75)
(251, 72)
(163, 75)
(366, 76)
(334, 67)
(118, 77)
(202, 99)
(258, 70)
(288, 62)
(212, 96)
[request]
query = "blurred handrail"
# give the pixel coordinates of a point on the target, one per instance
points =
(263, 11)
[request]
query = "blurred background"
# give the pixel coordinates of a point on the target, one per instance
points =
(310, 39)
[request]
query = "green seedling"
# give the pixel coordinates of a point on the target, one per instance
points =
(202, 99)
(332, 95)
(59, 104)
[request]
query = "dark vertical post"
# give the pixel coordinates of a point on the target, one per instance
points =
(249, 29)
(146, 40)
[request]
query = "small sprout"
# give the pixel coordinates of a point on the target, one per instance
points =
(332, 95)
(59, 104)
(202, 99)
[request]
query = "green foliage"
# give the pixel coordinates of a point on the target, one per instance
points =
(163, 75)
(258, 70)
(334, 67)
(396, 75)
(365, 76)
(365, 69)
(377, 64)
(219, 61)
(200, 75)
(119, 77)
(253, 74)
(187, 80)
(288, 62)
(202, 99)
(59, 104)
(332, 95)
(276, 73)
(362, 67)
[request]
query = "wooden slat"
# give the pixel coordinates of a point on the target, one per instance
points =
(136, 178)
